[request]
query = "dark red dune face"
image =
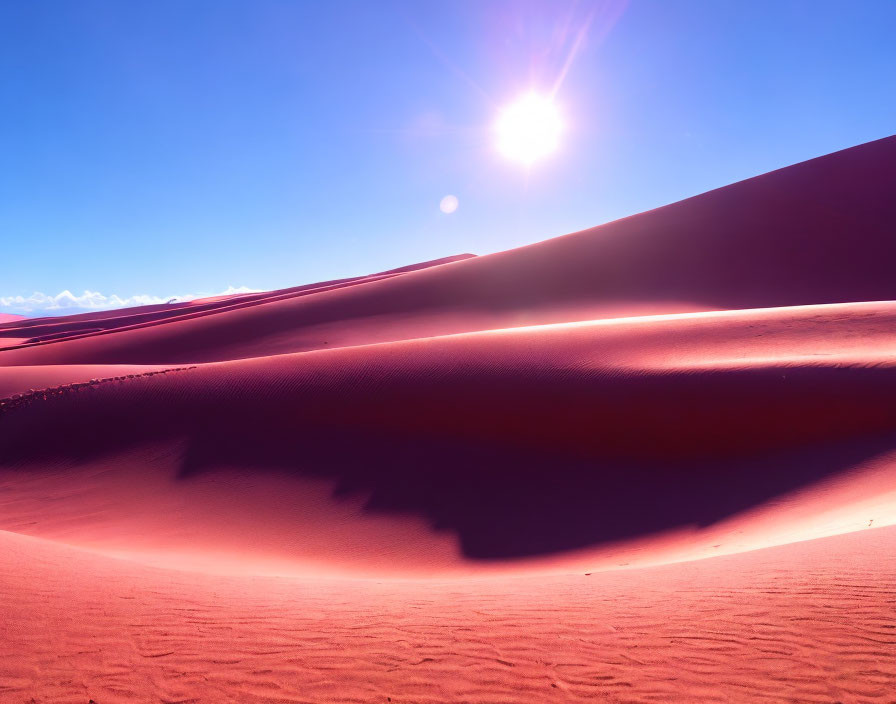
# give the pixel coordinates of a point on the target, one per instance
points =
(490, 478)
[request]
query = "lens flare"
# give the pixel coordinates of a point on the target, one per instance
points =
(449, 204)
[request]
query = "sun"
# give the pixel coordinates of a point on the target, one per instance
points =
(529, 129)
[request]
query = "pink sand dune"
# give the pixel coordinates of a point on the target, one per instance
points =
(817, 232)
(654, 460)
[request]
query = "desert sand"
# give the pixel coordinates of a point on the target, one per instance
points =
(650, 461)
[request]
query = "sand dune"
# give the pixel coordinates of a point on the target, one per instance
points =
(802, 235)
(521, 443)
(394, 485)
(36, 331)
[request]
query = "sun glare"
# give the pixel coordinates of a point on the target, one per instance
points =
(529, 129)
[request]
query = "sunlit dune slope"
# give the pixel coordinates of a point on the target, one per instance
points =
(564, 446)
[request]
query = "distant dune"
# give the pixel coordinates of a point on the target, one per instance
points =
(492, 478)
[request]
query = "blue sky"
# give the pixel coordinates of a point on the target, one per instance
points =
(174, 147)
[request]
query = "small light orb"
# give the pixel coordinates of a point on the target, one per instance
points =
(529, 129)
(448, 204)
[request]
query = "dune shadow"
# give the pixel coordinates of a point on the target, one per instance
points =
(501, 500)
(503, 503)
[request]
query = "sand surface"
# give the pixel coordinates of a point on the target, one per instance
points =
(651, 461)
(806, 622)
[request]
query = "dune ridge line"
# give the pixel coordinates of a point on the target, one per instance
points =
(24, 398)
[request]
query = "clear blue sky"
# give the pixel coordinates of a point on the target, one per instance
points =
(168, 147)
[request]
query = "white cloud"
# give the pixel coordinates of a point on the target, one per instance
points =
(66, 301)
